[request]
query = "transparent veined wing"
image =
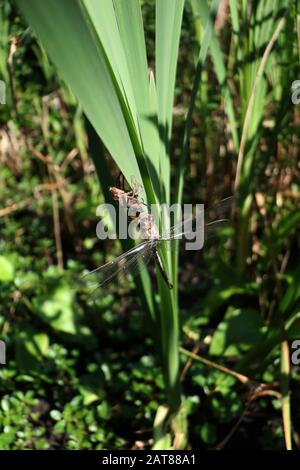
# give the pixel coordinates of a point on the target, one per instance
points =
(220, 215)
(131, 262)
(136, 187)
(221, 209)
(210, 220)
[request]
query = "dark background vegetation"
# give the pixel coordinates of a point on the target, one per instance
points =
(81, 372)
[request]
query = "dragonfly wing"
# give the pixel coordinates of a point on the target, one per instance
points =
(216, 219)
(136, 187)
(212, 227)
(130, 262)
(222, 209)
(219, 216)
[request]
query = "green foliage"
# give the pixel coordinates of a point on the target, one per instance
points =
(237, 333)
(6, 270)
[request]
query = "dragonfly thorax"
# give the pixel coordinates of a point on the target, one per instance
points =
(147, 226)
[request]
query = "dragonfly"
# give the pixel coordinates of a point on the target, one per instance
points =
(138, 257)
(130, 199)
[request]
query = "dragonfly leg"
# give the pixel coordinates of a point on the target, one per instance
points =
(120, 181)
(161, 268)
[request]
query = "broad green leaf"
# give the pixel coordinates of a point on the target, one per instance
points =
(91, 387)
(58, 310)
(6, 269)
(240, 329)
(104, 410)
(31, 348)
(222, 293)
(102, 16)
(208, 433)
(133, 41)
(69, 37)
(168, 26)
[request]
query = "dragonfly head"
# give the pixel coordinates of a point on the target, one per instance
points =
(116, 193)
